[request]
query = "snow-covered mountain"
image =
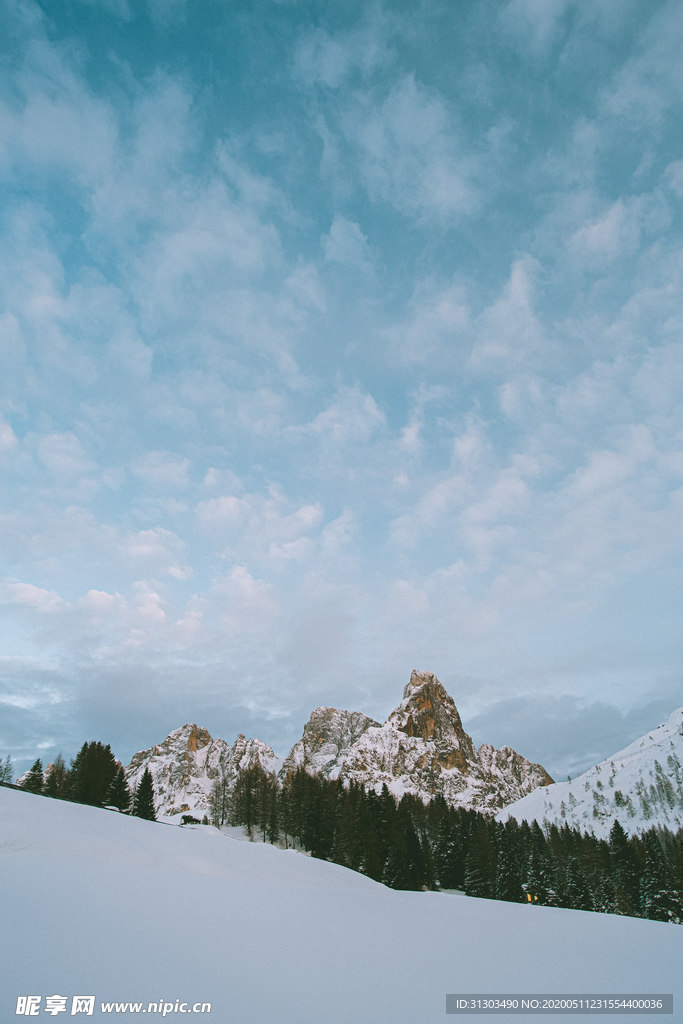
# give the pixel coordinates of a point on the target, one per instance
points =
(423, 749)
(188, 761)
(642, 786)
(328, 738)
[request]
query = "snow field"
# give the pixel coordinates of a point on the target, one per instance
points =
(96, 902)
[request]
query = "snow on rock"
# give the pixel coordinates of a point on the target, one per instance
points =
(188, 761)
(328, 737)
(108, 905)
(423, 749)
(642, 786)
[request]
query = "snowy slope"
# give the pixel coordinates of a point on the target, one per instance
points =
(100, 903)
(642, 786)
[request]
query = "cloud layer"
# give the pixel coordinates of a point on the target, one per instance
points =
(333, 357)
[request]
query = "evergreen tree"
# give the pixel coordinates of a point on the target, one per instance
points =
(449, 851)
(657, 895)
(624, 872)
(577, 892)
(144, 797)
(480, 863)
(508, 876)
(404, 868)
(58, 780)
(6, 770)
(119, 795)
(604, 900)
(537, 883)
(34, 780)
(92, 773)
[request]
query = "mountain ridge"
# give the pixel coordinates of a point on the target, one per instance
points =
(422, 748)
(641, 786)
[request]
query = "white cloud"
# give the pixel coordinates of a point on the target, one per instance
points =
(101, 603)
(438, 323)
(345, 243)
(63, 455)
(261, 527)
(163, 469)
(35, 597)
(157, 550)
(328, 60)
(534, 24)
(8, 438)
(245, 603)
(509, 331)
(617, 232)
(411, 155)
(353, 417)
(149, 608)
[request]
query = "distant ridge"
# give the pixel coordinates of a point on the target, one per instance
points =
(641, 786)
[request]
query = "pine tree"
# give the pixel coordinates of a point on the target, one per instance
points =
(480, 863)
(34, 780)
(656, 896)
(58, 780)
(537, 885)
(508, 876)
(119, 794)
(144, 797)
(624, 872)
(6, 770)
(604, 901)
(577, 891)
(92, 773)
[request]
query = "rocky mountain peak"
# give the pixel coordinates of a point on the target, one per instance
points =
(328, 736)
(422, 748)
(428, 711)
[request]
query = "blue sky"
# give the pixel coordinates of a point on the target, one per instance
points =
(338, 340)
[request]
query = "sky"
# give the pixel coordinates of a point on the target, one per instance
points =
(338, 340)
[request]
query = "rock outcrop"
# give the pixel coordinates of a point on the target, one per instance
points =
(188, 761)
(328, 737)
(423, 749)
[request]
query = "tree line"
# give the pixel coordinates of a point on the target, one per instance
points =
(94, 777)
(407, 844)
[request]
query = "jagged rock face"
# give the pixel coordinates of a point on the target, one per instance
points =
(328, 736)
(423, 749)
(188, 761)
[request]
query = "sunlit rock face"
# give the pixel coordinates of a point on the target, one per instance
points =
(185, 766)
(423, 749)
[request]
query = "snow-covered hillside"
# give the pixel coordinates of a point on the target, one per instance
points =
(99, 903)
(642, 786)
